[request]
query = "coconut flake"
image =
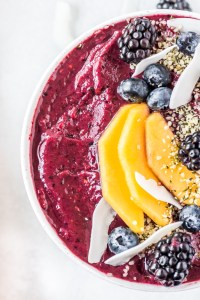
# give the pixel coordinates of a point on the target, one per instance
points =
(124, 257)
(141, 66)
(182, 92)
(157, 191)
(102, 218)
(185, 24)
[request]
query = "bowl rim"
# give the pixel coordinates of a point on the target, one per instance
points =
(26, 162)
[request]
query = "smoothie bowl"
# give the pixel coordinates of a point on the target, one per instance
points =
(111, 150)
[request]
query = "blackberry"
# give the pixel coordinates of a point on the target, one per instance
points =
(189, 151)
(171, 258)
(174, 4)
(137, 40)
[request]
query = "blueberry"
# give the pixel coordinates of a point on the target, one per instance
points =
(133, 90)
(157, 75)
(187, 42)
(190, 216)
(159, 98)
(121, 239)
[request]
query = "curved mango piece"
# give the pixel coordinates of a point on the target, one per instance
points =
(132, 155)
(176, 177)
(114, 187)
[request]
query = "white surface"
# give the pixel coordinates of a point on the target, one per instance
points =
(31, 266)
(63, 22)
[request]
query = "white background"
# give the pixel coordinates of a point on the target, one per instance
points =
(31, 266)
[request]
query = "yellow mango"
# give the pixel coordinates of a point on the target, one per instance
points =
(114, 187)
(176, 177)
(132, 155)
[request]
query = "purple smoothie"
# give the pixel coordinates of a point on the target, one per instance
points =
(77, 103)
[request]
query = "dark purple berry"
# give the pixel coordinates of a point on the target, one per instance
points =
(188, 42)
(189, 151)
(121, 239)
(133, 90)
(190, 216)
(159, 98)
(156, 75)
(161, 274)
(137, 40)
(174, 4)
(171, 259)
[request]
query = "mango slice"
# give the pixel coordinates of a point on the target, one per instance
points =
(132, 155)
(114, 187)
(176, 177)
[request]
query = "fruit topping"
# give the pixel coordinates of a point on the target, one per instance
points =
(157, 75)
(190, 216)
(160, 155)
(187, 42)
(189, 151)
(153, 59)
(156, 190)
(121, 239)
(124, 257)
(174, 4)
(159, 98)
(137, 40)
(170, 260)
(114, 186)
(133, 90)
(103, 216)
(132, 156)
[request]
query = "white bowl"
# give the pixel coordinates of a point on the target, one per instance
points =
(26, 162)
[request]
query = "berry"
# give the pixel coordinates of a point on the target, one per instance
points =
(172, 267)
(157, 75)
(161, 274)
(187, 42)
(189, 151)
(190, 216)
(159, 98)
(174, 4)
(121, 239)
(137, 40)
(133, 90)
